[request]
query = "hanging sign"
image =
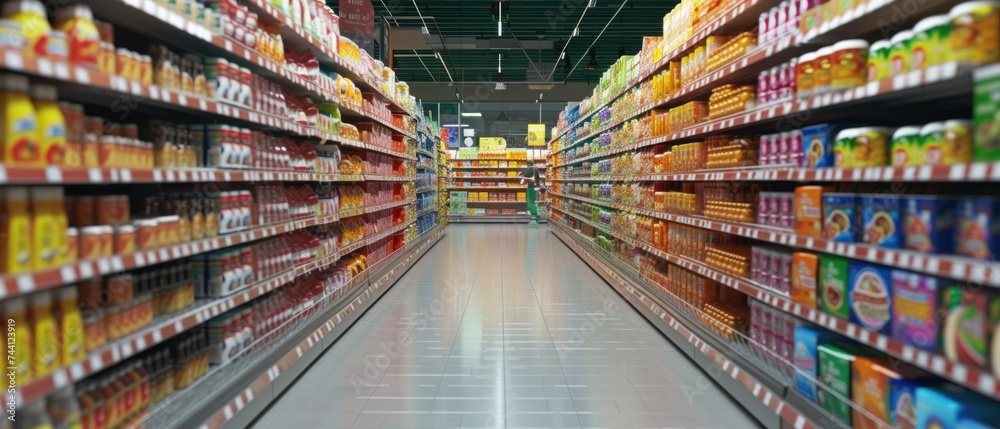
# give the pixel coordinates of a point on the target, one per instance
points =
(492, 144)
(536, 135)
(357, 22)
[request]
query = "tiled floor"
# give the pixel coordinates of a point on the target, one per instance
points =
(502, 326)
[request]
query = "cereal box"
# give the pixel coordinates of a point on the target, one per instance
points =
(804, 272)
(809, 210)
(870, 296)
(833, 279)
(978, 226)
(805, 357)
(930, 224)
(914, 309)
(840, 218)
(836, 363)
(880, 217)
(945, 406)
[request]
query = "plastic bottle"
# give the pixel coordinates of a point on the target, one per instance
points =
(61, 226)
(45, 332)
(15, 224)
(51, 124)
(45, 245)
(18, 122)
(77, 21)
(34, 26)
(71, 325)
(16, 309)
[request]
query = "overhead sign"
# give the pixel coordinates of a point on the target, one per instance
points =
(492, 144)
(357, 22)
(536, 135)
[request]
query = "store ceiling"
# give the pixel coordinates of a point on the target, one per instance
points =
(464, 34)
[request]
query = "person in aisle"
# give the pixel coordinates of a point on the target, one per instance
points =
(531, 176)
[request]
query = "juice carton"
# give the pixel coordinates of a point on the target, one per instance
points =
(870, 296)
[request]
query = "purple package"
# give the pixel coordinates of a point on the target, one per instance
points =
(914, 306)
(755, 264)
(785, 272)
(785, 210)
(774, 208)
(764, 265)
(789, 338)
(762, 207)
(763, 157)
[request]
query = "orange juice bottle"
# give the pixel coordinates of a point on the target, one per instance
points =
(45, 331)
(18, 123)
(51, 125)
(71, 325)
(45, 242)
(34, 26)
(16, 309)
(15, 224)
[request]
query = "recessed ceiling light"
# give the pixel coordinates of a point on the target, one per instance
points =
(472, 114)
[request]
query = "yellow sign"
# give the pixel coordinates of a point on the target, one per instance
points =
(492, 144)
(536, 134)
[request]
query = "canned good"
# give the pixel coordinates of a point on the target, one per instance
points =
(125, 240)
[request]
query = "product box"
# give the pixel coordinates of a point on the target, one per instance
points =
(805, 267)
(978, 227)
(840, 218)
(914, 309)
(870, 296)
(809, 210)
(930, 224)
(805, 357)
(817, 144)
(880, 217)
(986, 114)
(833, 280)
(836, 363)
(871, 387)
(945, 406)
(968, 331)
(903, 402)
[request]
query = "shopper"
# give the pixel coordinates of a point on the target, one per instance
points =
(534, 180)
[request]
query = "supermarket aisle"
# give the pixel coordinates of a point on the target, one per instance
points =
(503, 326)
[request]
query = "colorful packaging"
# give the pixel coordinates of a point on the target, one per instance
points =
(878, 60)
(947, 143)
(930, 43)
(899, 53)
(804, 277)
(861, 147)
(986, 114)
(836, 363)
(833, 280)
(914, 309)
(881, 220)
(809, 210)
(930, 224)
(967, 331)
(944, 406)
(840, 216)
(870, 296)
(907, 147)
(903, 402)
(848, 66)
(975, 32)
(978, 228)
(843, 148)
(805, 357)
(818, 144)
(871, 387)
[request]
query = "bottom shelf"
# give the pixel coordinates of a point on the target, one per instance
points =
(757, 392)
(236, 396)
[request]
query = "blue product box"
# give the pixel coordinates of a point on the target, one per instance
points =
(930, 224)
(944, 407)
(805, 357)
(869, 293)
(979, 228)
(817, 144)
(881, 219)
(840, 218)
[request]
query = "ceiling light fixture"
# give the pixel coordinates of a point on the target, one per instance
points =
(576, 31)
(593, 3)
(455, 126)
(472, 114)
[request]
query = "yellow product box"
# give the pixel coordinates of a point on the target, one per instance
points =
(484, 196)
(522, 196)
(473, 196)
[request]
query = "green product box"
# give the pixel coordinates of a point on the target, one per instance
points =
(833, 286)
(835, 366)
(986, 113)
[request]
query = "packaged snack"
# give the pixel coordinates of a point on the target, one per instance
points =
(946, 405)
(986, 113)
(871, 147)
(840, 216)
(817, 144)
(870, 296)
(836, 362)
(978, 228)
(850, 58)
(966, 331)
(899, 53)
(809, 210)
(804, 70)
(833, 280)
(878, 60)
(872, 381)
(930, 224)
(804, 276)
(880, 217)
(914, 309)
(805, 357)
(906, 147)
(843, 148)
(975, 32)
(903, 402)
(930, 43)
(957, 136)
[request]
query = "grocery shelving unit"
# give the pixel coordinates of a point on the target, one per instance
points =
(231, 394)
(601, 228)
(464, 176)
